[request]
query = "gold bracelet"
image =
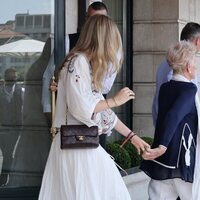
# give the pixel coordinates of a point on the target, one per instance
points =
(115, 101)
(107, 103)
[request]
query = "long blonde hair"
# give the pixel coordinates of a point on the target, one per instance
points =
(100, 40)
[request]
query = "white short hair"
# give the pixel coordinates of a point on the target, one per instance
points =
(181, 54)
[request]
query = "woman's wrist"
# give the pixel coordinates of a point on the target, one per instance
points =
(115, 101)
(162, 148)
(107, 103)
(130, 136)
(133, 136)
(111, 102)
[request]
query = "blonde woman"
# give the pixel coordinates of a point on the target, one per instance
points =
(174, 165)
(88, 174)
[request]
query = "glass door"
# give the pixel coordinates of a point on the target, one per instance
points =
(26, 38)
(120, 11)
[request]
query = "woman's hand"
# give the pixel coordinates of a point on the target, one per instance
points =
(140, 144)
(123, 96)
(151, 154)
(53, 86)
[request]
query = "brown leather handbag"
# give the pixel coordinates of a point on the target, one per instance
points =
(79, 136)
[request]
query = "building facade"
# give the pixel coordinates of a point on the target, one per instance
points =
(147, 27)
(35, 26)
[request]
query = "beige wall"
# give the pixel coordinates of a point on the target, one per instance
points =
(71, 14)
(156, 24)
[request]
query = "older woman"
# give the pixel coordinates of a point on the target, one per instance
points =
(171, 161)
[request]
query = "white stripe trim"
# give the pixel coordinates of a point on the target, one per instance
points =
(167, 166)
(181, 143)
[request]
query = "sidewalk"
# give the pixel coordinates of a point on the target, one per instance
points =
(137, 185)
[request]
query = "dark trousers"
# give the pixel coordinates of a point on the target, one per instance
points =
(102, 137)
(102, 140)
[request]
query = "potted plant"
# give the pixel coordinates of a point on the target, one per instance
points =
(128, 158)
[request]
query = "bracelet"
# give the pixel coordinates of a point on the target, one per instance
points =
(107, 103)
(115, 101)
(134, 134)
(128, 137)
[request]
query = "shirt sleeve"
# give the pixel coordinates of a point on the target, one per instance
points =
(163, 75)
(81, 100)
(46, 94)
(67, 44)
(108, 82)
(110, 76)
(60, 116)
(108, 121)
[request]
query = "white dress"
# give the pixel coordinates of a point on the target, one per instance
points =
(81, 174)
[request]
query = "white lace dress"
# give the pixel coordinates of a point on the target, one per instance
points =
(81, 174)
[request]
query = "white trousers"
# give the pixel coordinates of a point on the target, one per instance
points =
(169, 189)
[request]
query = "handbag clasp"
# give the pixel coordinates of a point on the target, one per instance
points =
(81, 137)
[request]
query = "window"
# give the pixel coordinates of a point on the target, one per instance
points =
(20, 20)
(46, 21)
(24, 132)
(29, 21)
(38, 21)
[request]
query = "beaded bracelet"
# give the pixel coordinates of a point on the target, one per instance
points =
(128, 137)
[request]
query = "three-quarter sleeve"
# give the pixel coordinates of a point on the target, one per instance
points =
(180, 108)
(81, 101)
(77, 97)
(108, 121)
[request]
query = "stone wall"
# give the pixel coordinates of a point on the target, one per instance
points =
(156, 24)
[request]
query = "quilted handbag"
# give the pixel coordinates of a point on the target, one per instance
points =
(79, 136)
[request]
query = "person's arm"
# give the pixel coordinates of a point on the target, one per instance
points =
(83, 104)
(151, 154)
(180, 108)
(120, 98)
(46, 94)
(108, 118)
(53, 86)
(140, 144)
(80, 98)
